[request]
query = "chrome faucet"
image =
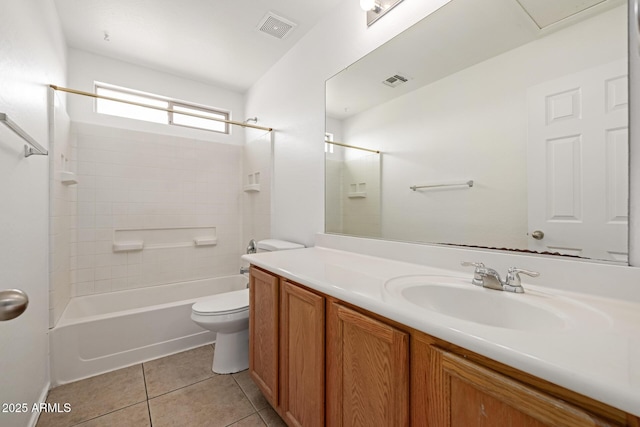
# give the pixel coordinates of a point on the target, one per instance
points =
(490, 278)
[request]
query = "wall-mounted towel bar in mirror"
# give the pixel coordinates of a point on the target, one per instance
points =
(451, 184)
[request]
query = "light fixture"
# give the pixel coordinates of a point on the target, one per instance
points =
(367, 5)
(376, 9)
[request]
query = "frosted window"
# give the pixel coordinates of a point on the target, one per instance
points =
(137, 112)
(197, 122)
(121, 109)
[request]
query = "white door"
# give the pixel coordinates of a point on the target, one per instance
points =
(577, 164)
(24, 372)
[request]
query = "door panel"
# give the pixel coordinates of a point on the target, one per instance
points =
(577, 163)
(263, 333)
(302, 356)
(367, 370)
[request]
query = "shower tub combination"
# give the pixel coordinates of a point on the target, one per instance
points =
(100, 333)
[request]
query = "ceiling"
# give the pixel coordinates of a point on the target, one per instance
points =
(213, 41)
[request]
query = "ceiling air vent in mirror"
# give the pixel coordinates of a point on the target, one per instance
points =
(276, 26)
(395, 80)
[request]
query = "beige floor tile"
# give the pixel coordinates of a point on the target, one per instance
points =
(251, 421)
(178, 370)
(133, 416)
(252, 391)
(218, 401)
(271, 417)
(96, 396)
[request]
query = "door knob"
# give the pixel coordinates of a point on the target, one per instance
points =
(538, 234)
(13, 302)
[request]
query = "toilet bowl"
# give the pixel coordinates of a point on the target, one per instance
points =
(227, 314)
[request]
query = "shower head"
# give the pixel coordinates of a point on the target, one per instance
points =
(251, 119)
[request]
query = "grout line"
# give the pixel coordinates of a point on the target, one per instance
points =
(146, 392)
(107, 413)
(250, 415)
(144, 380)
(184, 386)
(121, 408)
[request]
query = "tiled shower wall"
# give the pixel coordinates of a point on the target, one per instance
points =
(61, 207)
(136, 180)
(257, 202)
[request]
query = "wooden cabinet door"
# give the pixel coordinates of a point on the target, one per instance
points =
(367, 370)
(301, 356)
(263, 333)
(465, 394)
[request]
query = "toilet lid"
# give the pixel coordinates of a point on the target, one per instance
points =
(224, 303)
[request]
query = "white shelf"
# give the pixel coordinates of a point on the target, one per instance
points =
(252, 188)
(206, 241)
(124, 246)
(68, 178)
(357, 195)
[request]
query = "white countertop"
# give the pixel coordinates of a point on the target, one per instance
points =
(601, 361)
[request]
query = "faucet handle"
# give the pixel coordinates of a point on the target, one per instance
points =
(513, 278)
(478, 280)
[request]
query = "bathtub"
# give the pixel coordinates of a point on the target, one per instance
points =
(100, 333)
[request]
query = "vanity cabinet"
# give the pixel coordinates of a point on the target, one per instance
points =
(452, 387)
(287, 347)
(367, 370)
(264, 333)
(302, 326)
(382, 373)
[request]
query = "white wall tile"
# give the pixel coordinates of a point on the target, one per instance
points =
(136, 180)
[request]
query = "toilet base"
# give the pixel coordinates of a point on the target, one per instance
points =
(231, 352)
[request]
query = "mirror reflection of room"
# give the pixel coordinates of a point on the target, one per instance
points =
(529, 104)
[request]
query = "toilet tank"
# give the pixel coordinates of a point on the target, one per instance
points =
(271, 245)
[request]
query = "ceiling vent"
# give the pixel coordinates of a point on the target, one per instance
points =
(276, 26)
(395, 80)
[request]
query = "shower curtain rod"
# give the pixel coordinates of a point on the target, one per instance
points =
(170, 110)
(352, 146)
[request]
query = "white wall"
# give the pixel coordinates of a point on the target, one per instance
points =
(292, 102)
(32, 53)
(473, 125)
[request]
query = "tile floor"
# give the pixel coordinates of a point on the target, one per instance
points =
(177, 390)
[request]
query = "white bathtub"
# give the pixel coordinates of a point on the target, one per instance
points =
(100, 333)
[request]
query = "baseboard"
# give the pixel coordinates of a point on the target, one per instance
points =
(43, 398)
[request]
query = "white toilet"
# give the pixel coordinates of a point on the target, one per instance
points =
(227, 314)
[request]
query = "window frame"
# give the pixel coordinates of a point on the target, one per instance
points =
(209, 110)
(170, 103)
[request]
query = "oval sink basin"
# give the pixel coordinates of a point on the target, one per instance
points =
(457, 297)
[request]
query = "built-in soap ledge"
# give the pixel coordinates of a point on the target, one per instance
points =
(357, 195)
(251, 188)
(206, 241)
(68, 178)
(163, 238)
(253, 183)
(125, 246)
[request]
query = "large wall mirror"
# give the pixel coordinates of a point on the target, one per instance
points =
(495, 123)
